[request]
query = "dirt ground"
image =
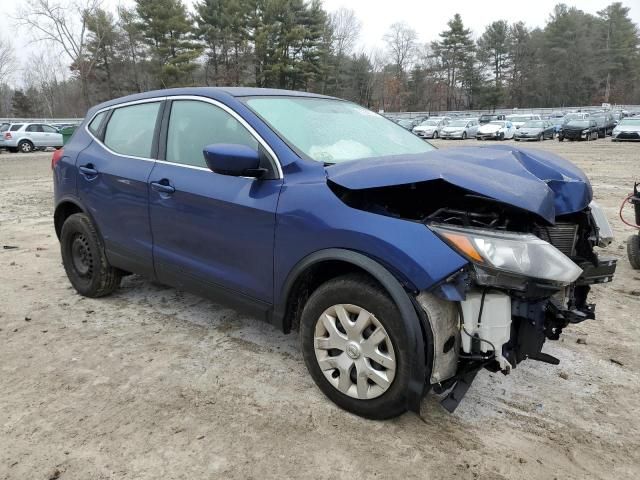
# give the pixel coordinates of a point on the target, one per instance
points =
(155, 383)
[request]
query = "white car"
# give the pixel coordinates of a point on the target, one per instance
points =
(627, 129)
(519, 120)
(463, 128)
(497, 130)
(431, 127)
(26, 137)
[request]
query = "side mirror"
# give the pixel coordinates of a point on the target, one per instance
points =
(233, 159)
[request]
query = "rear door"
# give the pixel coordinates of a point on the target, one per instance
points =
(213, 234)
(112, 182)
(35, 133)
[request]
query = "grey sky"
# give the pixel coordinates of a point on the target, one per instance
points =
(427, 17)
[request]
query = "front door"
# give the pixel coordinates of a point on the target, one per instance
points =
(212, 233)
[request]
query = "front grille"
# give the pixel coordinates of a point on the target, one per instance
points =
(562, 236)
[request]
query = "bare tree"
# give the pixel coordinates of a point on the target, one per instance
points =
(64, 26)
(6, 60)
(401, 42)
(345, 27)
(44, 76)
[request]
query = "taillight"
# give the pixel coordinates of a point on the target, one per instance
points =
(55, 158)
(7, 136)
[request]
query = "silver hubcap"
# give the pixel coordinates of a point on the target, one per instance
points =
(354, 351)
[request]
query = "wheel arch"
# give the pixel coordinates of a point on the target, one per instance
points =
(64, 209)
(323, 265)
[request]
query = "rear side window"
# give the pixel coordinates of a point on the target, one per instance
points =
(193, 125)
(49, 129)
(15, 128)
(34, 128)
(130, 129)
(94, 126)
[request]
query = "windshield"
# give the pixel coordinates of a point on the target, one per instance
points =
(334, 131)
(630, 121)
(487, 117)
(518, 119)
(578, 123)
(430, 123)
(458, 123)
(405, 123)
(534, 124)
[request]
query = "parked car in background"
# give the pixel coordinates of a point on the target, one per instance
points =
(403, 267)
(535, 130)
(606, 123)
(496, 130)
(586, 129)
(521, 119)
(627, 129)
(27, 137)
(406, 123)
(575, 116)
(431, 127)
(486, 118)
(462, 128)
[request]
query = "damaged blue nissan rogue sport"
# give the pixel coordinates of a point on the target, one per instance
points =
(404, 268)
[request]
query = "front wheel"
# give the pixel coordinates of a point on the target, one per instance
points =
(464, 135)
(435, 135)
(355, 347)
(84, 260)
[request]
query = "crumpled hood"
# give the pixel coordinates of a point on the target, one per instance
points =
(489, 128)
(537, 181)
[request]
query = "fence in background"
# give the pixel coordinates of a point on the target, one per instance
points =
(515, 111)
(41, 120)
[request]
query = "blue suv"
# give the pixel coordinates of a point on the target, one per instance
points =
(404, 268)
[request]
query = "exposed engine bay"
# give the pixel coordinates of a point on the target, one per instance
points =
(526, 281)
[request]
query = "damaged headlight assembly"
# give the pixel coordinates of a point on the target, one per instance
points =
(509, 259)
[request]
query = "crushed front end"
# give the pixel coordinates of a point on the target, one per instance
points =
(526, 281)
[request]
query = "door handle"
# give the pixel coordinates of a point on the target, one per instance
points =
(89, 170)
(163, 186)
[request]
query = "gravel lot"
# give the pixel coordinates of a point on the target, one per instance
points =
(154, 383)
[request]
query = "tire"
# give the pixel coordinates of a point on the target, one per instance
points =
(633, 251)
(541, 137)
(464, 135)
(84, 260)
(435, 135)
(25, 146)
(356, 293)
(501, 137)
(560, 139)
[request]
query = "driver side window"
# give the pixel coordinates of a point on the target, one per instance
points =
(194, 124)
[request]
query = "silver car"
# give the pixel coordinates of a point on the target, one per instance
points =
(627, 129)
(431, 128)
(463, 128)
(27, 137)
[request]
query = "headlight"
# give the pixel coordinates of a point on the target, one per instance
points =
(520, 254)
(586, 130)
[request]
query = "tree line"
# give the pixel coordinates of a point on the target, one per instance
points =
(576, 59)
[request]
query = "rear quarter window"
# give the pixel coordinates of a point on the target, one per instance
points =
(96, 123)
(130, 129)
(15, 128)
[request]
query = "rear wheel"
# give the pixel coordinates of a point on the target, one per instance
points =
(84, 260)
(633, 251)
(501, 136)
(355, 347)
(25, 146)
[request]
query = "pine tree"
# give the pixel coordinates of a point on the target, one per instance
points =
(168, 31)
(21, 105)
(493, 53)
(454, 50)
